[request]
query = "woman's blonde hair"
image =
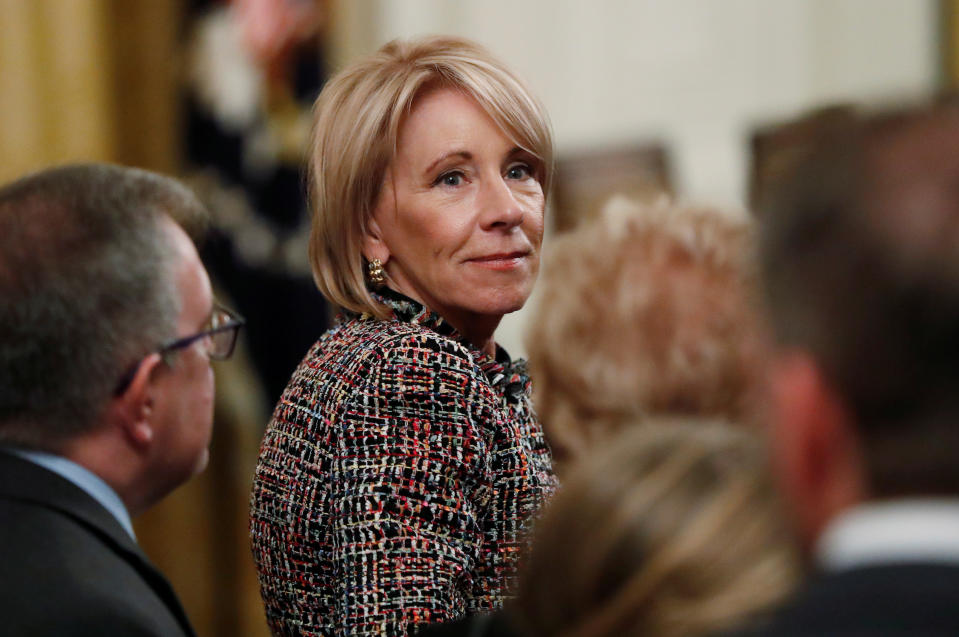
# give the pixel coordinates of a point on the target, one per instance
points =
(357, 118)
(650, 309)
(673, 529)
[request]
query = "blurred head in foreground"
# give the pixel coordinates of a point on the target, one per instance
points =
(649, 310)
(670, 529)
(860, 259)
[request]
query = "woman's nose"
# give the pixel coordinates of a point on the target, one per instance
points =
(500, 206)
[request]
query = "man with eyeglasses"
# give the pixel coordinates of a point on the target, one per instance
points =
(107, 330)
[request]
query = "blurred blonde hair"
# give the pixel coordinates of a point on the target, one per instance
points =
(671, 530)
(357, 118)
(649, 309)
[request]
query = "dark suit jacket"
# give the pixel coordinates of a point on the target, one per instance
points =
(67, 567)
(894, 599)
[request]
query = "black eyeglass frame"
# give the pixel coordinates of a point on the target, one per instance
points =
(234, 323)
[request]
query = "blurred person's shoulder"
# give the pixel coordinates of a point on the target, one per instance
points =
(881, 599)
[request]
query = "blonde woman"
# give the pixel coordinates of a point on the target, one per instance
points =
(404, 460)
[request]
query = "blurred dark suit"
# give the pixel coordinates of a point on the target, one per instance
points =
(892, 599)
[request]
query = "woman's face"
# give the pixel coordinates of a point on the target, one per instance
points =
(459, 221)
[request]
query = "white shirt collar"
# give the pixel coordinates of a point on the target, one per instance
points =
(85, 479)
(909, 530)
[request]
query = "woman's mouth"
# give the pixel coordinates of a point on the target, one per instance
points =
(501, 260)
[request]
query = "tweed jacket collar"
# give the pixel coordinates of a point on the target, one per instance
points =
(509, 377)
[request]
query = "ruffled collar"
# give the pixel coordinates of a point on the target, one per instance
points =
(511, 377)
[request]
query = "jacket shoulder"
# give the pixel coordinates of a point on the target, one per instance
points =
(58, 576)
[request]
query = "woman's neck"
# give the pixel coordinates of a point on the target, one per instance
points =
(477, 329)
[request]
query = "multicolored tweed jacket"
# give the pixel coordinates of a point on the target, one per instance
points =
(396, 480)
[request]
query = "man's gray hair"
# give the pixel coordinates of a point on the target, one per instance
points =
(86, 290)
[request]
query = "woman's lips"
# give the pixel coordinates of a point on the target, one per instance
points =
(500, 261)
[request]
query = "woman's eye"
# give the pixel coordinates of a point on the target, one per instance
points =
(450, 179)
(518, 171)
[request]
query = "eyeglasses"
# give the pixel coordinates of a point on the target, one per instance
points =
(224, 326)
(219, 341)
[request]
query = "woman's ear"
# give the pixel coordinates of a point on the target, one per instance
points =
(373, 245)
(137, 402)
(374, 239)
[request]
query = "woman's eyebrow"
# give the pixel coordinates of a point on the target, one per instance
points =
(462, 154)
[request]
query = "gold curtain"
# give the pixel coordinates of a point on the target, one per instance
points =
(87, 80)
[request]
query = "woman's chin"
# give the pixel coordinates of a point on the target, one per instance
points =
(502, 303)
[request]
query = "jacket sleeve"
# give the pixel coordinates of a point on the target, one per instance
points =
(413, 482)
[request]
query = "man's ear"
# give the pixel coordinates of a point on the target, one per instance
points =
(817, 454)
(135, 405)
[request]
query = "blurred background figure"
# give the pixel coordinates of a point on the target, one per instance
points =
(253, 71)
(648, 310)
